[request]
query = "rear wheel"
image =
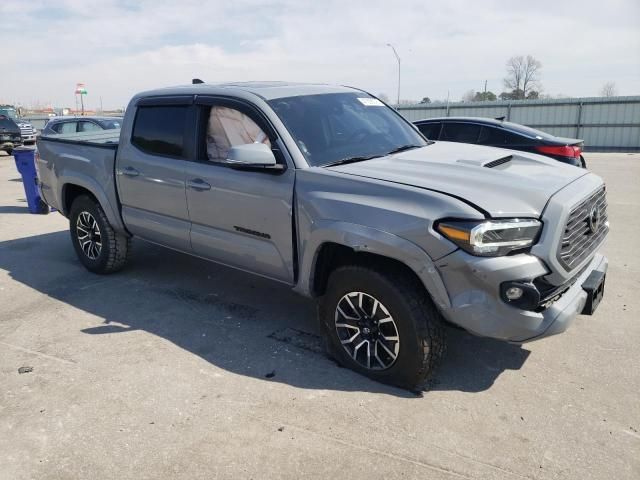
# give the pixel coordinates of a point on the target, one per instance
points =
(382, 324)
(98, 246)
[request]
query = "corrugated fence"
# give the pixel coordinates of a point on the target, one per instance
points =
(607, 124)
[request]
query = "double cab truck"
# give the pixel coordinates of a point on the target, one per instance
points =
(332, 192)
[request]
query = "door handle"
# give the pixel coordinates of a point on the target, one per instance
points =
(198, 184)
(129, 172)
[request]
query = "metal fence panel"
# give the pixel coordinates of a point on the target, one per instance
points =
(605, 123)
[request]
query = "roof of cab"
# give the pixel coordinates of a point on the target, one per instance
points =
(265, 90)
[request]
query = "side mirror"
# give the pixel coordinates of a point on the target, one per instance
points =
(251, 155)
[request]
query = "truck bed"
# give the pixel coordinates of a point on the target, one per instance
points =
(103, 138)
(85, 160)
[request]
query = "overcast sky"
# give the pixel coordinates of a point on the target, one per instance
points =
(119, 47)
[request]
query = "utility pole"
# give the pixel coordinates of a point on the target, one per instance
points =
(398, 59)
(485, 87)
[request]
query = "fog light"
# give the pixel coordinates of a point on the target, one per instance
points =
(513, 293)
(520, 294)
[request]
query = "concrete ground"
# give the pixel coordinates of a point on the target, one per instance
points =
(177, 368)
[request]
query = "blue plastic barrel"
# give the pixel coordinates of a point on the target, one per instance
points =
(25, 163)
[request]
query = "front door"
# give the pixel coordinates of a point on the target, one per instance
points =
(240, 218)
(151, 174)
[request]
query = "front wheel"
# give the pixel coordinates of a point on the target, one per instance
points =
(382, 324)
(98, 246)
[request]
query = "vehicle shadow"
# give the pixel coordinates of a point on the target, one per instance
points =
(13, 209)
(239, 322)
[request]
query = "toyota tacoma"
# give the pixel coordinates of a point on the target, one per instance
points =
(332, 192)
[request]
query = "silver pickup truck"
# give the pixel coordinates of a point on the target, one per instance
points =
(330, 191)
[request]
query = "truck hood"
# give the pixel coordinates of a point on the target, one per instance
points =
(499, 182)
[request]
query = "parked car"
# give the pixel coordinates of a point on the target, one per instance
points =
(499, 133)
(331, 192)
(10, 136)
(58, 125)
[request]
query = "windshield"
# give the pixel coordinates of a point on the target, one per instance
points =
(9, 112)
(111, 124)
(332, 127)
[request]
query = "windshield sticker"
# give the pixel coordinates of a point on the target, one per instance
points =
(371, 102)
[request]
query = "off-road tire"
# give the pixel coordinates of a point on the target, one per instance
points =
(115, 247)
(419, 324)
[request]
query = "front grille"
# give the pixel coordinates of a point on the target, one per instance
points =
(26, 130)
(586, 228)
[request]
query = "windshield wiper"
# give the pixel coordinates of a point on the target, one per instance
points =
(344, 161)
(403, 148)
(363, 158)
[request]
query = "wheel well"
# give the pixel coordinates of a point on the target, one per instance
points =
(334, 255)
(70, 193)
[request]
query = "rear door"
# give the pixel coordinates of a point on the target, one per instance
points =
(151, 171)
(241, 218)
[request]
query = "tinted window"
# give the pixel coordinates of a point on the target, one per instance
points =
(88, 127)
(492, 136)
(530, 132)
(430, 130)
(460, 132)
(160, 130)
(336, 126)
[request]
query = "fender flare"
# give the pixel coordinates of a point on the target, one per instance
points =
(97, 191)
(361, 238)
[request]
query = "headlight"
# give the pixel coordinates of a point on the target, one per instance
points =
(491, 238)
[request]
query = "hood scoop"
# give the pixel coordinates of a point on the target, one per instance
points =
(486, 162)
(499, 161)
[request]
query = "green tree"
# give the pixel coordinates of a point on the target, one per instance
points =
(485, 97)
(425, 100)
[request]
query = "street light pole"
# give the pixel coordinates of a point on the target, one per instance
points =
(398, 59)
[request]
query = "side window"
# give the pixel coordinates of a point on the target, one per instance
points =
(460, 132)
(88, 127)
(430, 130)
(159, 130)
(511, 138)
(492, 136)
(66, 127)
(228, 127)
